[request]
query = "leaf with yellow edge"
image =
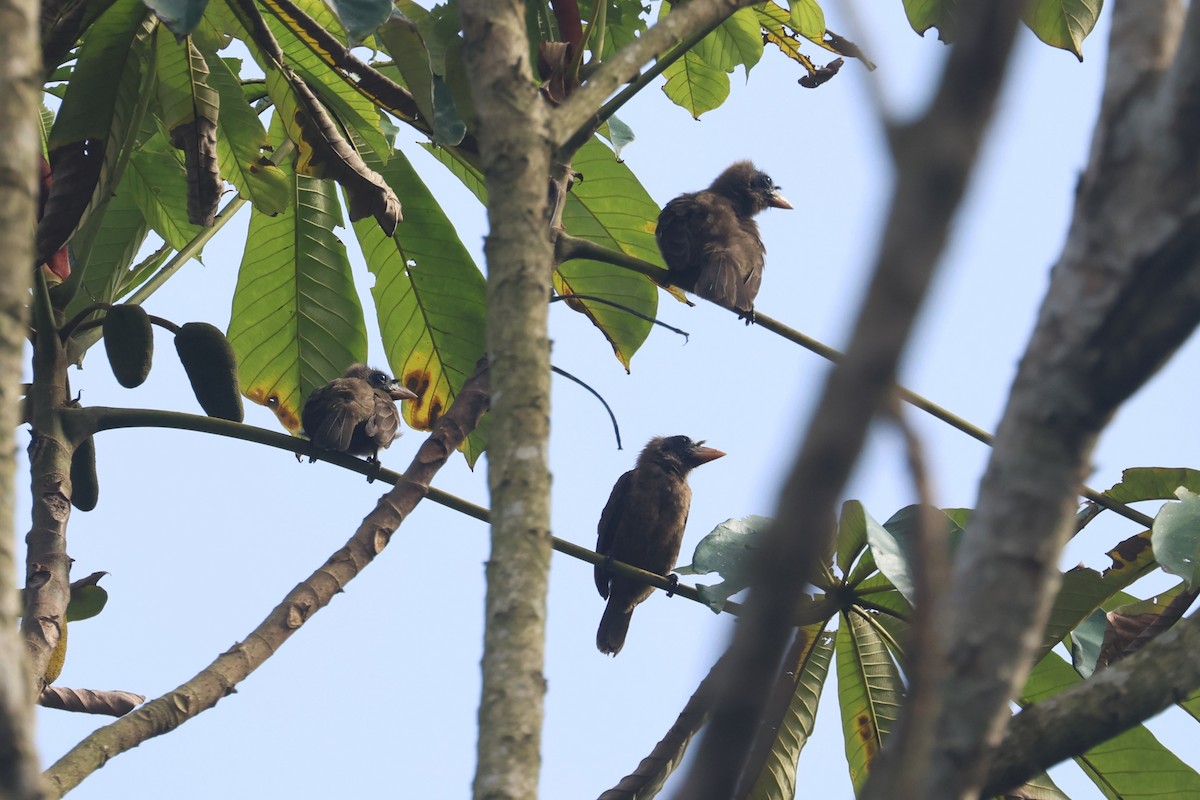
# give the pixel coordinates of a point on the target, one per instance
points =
(296, 320)
(431, 300)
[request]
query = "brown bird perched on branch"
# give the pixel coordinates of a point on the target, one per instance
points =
(642, 525)
(710, 241)
(355, 413)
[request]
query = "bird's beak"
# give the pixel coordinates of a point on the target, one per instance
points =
(398, 392)
(703, 455)
(777, 200)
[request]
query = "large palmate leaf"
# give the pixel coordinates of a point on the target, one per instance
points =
(431, 301)
(159, 185)
(297, 321)
(1132, 765)
(610, 207)
(242, 144)
(777, 781)
(104, 248)
(98, 121)
(869, 690)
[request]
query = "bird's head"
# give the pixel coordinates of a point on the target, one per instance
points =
(750, 190)
(678, 453)
(379, 380)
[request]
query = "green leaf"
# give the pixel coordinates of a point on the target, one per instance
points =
(362, 17)
(729, 550)
(98, 120)
(431, 301)
(181, 16)
(851, 534)
(737, 40)
(1083, 590)
(296, 322)
(1176, 536)
(1062, 23)
(807, 18)
(610, 207)
(894, 543)
(1086, 641)
(777, 781)
(618, 134)
(695, 85)
(104, 248)
(926, 14)
(869, 691)
(158, 184)
(86, 602)
(242, 145)
(1131, 765)
(1153, 483)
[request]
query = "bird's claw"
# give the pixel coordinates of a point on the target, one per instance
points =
(747, 316)
(672, 579)
(376, 467)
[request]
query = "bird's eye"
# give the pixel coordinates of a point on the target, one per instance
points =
(379, 378)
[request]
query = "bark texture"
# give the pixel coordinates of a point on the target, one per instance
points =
(934, 156)
(1123, 296)
(515, 155)
(20, 87)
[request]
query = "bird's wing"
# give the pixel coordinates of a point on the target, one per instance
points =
(384, 420)
(610, 522)
(345, 403)
(679, 234)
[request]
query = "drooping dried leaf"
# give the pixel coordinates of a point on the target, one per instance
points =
(88, 701)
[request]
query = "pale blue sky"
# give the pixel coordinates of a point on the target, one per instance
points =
(377, 694)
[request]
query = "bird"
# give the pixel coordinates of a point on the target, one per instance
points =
(710, 240)
(642, 525)
(355, 413)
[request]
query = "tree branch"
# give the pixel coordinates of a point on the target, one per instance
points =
(1123, 296)
(934, 157)
(1114, 700)
(515, 158)
(219, 679)
(20, 92)
(575, 120)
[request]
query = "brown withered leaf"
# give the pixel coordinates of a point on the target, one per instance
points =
(88, 701)
(554, 62)
(331, 156)
(75, 168)
(198, 141)
(1128, 633)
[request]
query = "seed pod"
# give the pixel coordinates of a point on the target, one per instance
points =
(85, 486)
(129, 343)
(212, 368)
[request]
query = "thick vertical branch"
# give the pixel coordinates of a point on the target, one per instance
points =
(1124, 294)
(515, 153)
(934, 157)
(20, 71)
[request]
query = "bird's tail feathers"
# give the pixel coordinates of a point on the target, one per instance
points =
(610, 636)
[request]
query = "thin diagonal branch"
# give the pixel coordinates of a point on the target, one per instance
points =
(575, 119)
(219, 679)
